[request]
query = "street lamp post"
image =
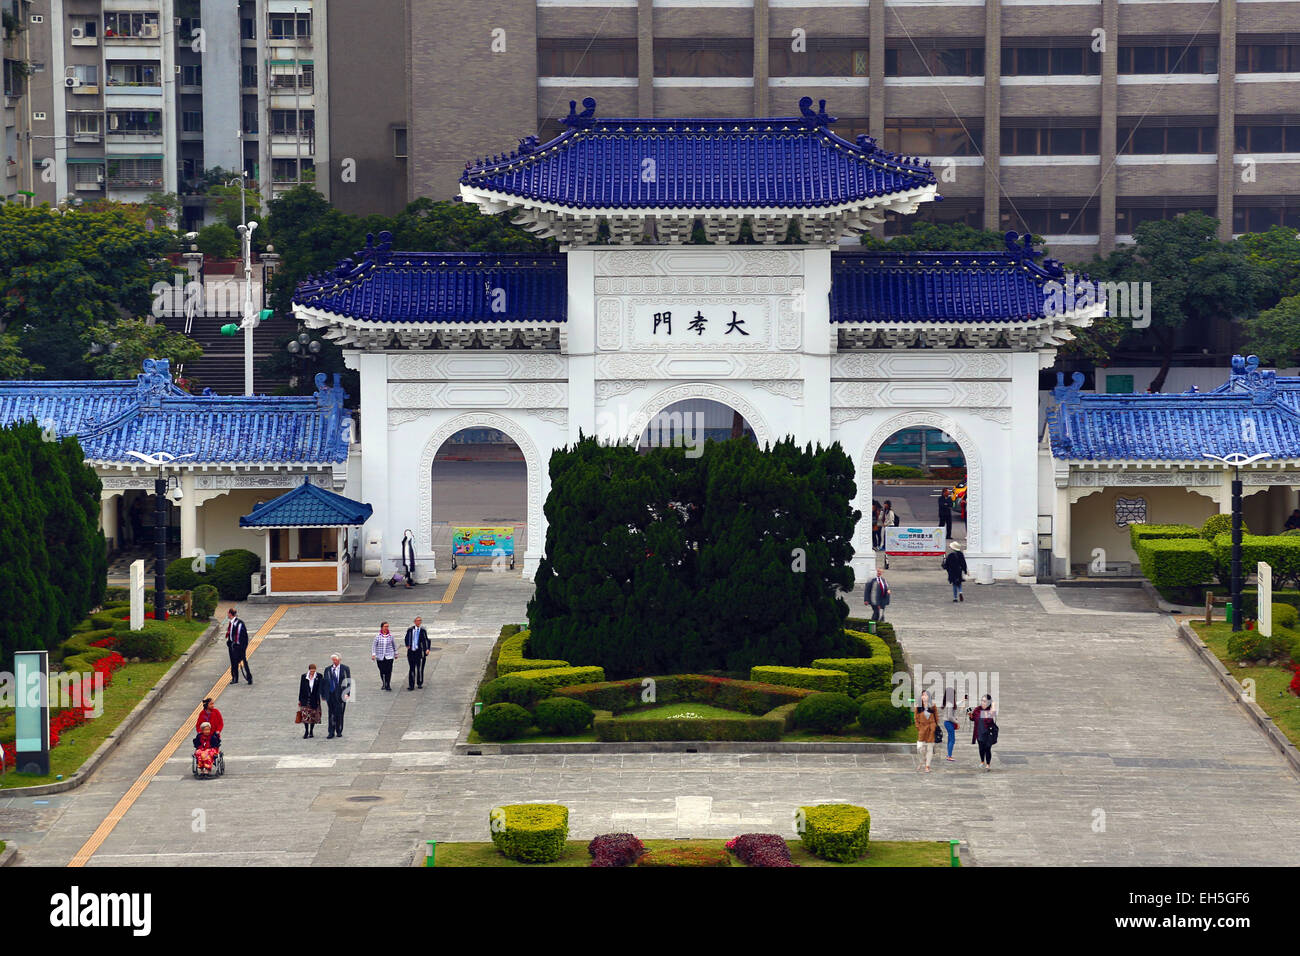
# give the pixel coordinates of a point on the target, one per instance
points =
(160, 527)
(1236, 460)
(305, 349)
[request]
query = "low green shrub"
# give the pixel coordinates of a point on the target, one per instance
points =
(884, 632)
(107, 619)
(182, 576)
(1143, 532)
(1281, 553)
(785, 714)
(825, 713)
(884, 470)
(204, 602)
(530, 832)
(80, 642)
(232, 573)
(1249, 646)
(511, 690)
(153, 642)
(878, 716)
(813, 678)
(685, 856)
(747, 697)
(865, 673)
(688, 728)
(839, 832)
(512, 657)
(555, 677)
(1176, 562)
(563, 716)
(1216, 525)
(1285, 615)
(502, 722)
(85, 660)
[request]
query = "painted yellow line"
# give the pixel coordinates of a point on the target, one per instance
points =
(186, 729)
(446, 598)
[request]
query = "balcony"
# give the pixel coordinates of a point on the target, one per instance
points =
(127, 182)
(87, 137)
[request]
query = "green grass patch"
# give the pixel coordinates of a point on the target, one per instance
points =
(681, 709)
(1272, 683)
(881, 853)
(130, 684)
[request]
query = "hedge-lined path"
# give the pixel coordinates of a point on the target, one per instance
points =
(1100, 712)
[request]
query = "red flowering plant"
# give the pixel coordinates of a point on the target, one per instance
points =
(615, 849)
(1295, 678)
(761, 849)
(104, 642)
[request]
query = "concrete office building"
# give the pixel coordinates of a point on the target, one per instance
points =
(1074, 120)
(122, 98)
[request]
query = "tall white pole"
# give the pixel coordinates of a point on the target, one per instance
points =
(250, 317)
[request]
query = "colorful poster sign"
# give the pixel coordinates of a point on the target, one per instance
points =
(922, 542)
(482, 542)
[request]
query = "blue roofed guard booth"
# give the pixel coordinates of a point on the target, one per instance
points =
(305, 549)
(781, 317)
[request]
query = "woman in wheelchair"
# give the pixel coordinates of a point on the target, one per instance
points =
(207, 748)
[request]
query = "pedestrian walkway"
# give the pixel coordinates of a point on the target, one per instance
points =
(1118, 747)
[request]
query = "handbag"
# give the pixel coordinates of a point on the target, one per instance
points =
(297, 718)
(938, 734)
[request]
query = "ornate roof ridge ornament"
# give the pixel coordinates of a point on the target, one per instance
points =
(820, 118)
(576, 120)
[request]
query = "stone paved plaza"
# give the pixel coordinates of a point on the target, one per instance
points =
(1104, 711)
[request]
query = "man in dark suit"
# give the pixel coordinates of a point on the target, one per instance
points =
(338, 691)
(417, 649)
(237, 646)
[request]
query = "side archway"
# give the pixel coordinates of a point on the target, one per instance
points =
(533, 463)
(717, 393)
(974, 475)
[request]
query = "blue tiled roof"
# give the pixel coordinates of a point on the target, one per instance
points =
(151, 415)
(1254, 412)
(953, 287)
(307, 507)
(441, 287)
(782, 163)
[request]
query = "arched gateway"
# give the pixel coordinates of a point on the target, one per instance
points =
(802, 339)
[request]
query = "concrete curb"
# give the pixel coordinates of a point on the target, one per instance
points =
(10, 856)
(1164, 605)
(683, 746)
(1256, 713)
(137, 714)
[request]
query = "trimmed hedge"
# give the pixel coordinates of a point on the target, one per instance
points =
(530, 832)
(80, 642)
(511, 690)
(563, 715)
(884, 632)
(1281, 553)
(827, 713)
(865, 673)
(149, 644)
(813, 678)
(502, 722)
(204, 602)
(232, 573)
(1143, 532)
(553, 678)
(1216, 525)
(887, 471)
(612, 730)
(839, 832)
(182, 576)
(1176, 562)
(878, 716)
(1284, 615)
(744, 696)
(85, 660)
(512, 657)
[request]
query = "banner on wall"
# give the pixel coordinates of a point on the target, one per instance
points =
(482, 542)
(918, 542)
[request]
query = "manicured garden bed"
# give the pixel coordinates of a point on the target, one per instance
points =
(1272, 681)
(898, 853)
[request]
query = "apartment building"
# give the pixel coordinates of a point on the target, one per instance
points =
(1073, 119)
(123, 98)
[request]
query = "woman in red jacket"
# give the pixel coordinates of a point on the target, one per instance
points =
(210, 715)
(984, 721)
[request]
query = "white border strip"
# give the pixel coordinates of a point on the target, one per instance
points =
(563, 82)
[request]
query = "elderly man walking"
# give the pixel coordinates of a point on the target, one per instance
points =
(417, 649)
(338, 691)
(383, 651)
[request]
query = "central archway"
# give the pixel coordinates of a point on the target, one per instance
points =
(716, 393)
(974, 476)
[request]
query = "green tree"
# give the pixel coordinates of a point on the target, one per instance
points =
(219, 240)
(62, 272)
(13, 364)
(941, 237)
(126, 343)
(1277, 252)
(1274, 334)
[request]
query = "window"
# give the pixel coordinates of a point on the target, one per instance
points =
(1180, 58)
(1276, 134)
(949, 212)
(1050, 217)
(131, 25)
(929, 138)
(135, 122)
(1131, 213)
(1269, 57)
(851, 127)
(1261, 213)
(192, 121)
(88, 28)
(134, 74)
(1148, 137)
(188, 29)
(399, 142)
(704, 57)
(192, 75)
(287, 26)
(86, 127)
(87, 73)
(285, 170)
(1046, 59)
(936, 61)
(580, 56)
(822, 57)
(1067, 141)
(279, 539)
(248, 74)
(250, 121)
(247, 30)
(286, 121)
(311, 544)
(288, 76)
(135, 173)
(86, 174)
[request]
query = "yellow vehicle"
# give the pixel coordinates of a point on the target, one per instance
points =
(959, 500)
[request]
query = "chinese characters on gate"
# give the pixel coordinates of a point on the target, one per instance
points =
(664, 320)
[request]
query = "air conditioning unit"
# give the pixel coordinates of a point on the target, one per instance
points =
(149, 31)
(72, 82)
(78, 33)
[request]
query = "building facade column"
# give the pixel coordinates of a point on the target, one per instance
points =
(818, 346)
(108, 518)
(373, 367)
(1024, 461)
(1227, 139)
(189, 509)
(762, 30)
(992, 114)
(645, 58)
(1107, 138)
(580, 343)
